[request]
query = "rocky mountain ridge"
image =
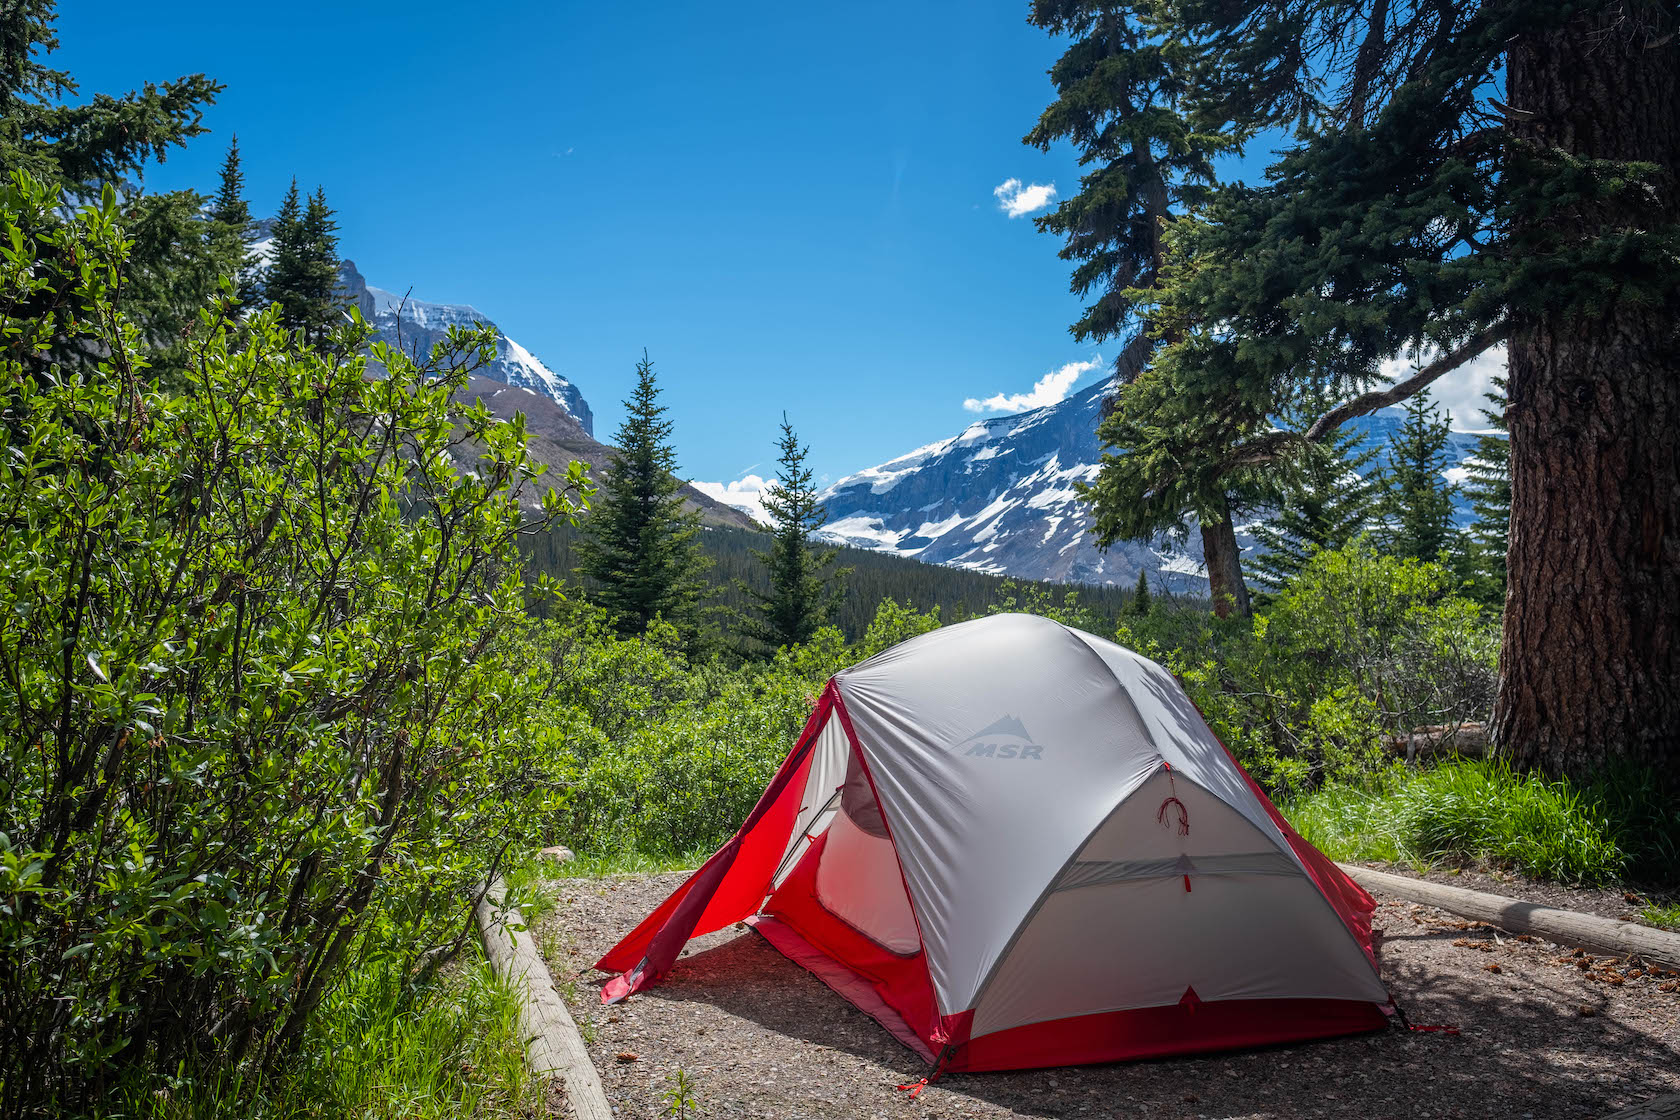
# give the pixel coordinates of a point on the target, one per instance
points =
(999, 497)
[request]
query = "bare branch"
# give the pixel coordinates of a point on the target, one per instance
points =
(1272, 445)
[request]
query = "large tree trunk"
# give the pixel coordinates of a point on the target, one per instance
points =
(1590, 666)
(1224, 568)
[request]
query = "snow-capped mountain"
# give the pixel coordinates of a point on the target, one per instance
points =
(415, 325)
(999, 497)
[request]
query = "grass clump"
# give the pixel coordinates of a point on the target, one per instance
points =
(1603, 833)
(1666, 915)
(380, 1048)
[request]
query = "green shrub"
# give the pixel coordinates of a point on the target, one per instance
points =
(1360, 648)
(264, 680)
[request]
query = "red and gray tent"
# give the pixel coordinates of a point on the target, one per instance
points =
(1015, 844)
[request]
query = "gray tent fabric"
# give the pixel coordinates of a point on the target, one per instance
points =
(1024, 770)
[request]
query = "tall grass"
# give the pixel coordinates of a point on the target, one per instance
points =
(1619, 828)
(380, 1050)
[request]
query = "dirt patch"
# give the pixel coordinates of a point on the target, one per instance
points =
(759, 1037)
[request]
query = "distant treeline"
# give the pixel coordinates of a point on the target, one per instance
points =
(873, 576)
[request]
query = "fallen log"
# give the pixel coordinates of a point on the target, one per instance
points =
(1566, 927)
(1469, 740)
(553, 1046)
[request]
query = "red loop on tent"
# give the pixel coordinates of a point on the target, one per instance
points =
(1172, 799)
(1431, 1028)
(915, 1088)
(1183, 815)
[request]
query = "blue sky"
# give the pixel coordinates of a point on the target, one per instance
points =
(790, 206)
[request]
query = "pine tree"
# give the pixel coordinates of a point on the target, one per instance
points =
(1118, 101)
(639, 545)
(1328, 500)
(303, 272)
(80, 146)
(804, 584)
(230, 216)
(1140, 604)
(284, 284)
(1417, 502)
(1461, 175)
(1488, 487)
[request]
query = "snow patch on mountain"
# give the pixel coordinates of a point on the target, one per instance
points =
(415, 325)
(1001, 496)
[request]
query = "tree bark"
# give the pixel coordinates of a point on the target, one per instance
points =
(1224, 567)
(1590, 663)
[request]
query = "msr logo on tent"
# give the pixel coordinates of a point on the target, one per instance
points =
(1007, 738)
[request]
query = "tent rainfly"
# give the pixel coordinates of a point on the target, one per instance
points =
(1015, 844)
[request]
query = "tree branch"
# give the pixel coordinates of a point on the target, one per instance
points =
(1266, 448)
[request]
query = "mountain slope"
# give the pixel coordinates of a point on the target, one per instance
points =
(415, 325)
(999, 497)
(555, 437)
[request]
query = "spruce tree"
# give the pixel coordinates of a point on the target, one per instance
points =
(78, 149)
(1417, 501)
(1140, 604)
(284, 283)
(639, 545)
(1487, 485)
(303, 271)
(1458, 176)
(1119, 103)
(230, 216)
(1327, 501)
(804, 584)
(324, 305)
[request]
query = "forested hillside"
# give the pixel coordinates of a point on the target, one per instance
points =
(870, 577)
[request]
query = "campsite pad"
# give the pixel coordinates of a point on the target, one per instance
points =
(760, 1037)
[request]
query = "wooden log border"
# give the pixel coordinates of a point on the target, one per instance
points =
(553, 1046)
(1609, 936)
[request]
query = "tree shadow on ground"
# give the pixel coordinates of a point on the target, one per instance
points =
(1525, 1047)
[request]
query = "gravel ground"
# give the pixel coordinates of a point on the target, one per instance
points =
(1545, 1033)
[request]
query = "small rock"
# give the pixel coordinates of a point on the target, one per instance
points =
(1586, 1012)
(557, 853)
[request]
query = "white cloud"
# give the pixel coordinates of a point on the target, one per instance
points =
(745, 493)
(1459, 392)
(1018, 201)
(1048, 389)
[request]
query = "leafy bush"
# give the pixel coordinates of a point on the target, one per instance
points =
(685, 762)
(263, 671)
(1359, 649)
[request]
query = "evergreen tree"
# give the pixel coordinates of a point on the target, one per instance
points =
(171, 268)
(1488, 487)
(639, 544)
(1140, 604)
(1328, 500)
(804, 584)
(1458, 175)
(1417, 502)
(1119, 102)
(230, 216)
(303, 273)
